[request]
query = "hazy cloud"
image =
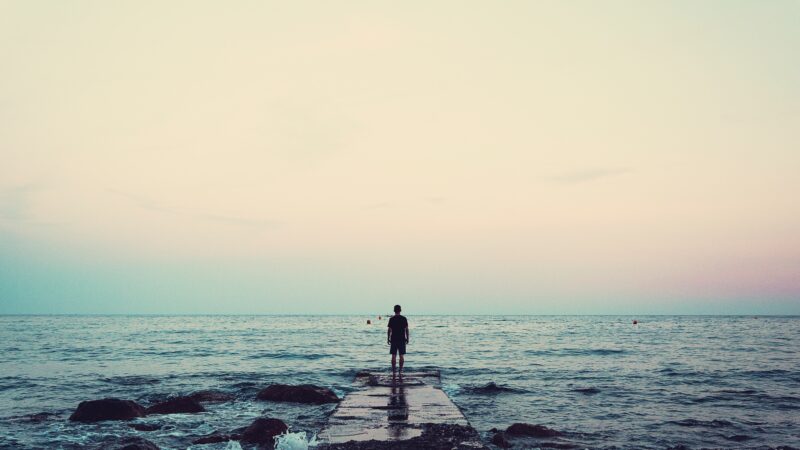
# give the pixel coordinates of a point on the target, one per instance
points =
(15, 202)
(432, 200)
(435, 200)
(589, 175)
(144, 202)
(152, 205)
(379, 205)
(244, 221)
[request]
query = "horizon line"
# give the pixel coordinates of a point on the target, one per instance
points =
(390, 314)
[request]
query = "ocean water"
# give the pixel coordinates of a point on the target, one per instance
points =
(715, 382)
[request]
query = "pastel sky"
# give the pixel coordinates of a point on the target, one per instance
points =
(520, 157)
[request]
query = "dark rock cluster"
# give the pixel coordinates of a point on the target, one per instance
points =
(211, 396)
(304, 393)
(129, 443)
(117, 409)
(521, 433)
(261, 432)
(526, 429)
(177, 405)
(107, 409)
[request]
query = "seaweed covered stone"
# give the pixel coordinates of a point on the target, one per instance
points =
(107, 409)
(263, 431)
(526, 429)
(130, 443)
(304, 393)
(209, 396)
(177, 405)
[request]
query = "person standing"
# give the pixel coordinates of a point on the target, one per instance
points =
(397, 337)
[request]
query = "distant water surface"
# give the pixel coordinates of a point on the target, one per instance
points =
(720, 382)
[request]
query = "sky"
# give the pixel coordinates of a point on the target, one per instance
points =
(456, 157)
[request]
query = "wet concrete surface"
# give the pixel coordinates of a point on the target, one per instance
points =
(408, 411)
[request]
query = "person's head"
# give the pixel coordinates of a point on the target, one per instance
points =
(397, 309)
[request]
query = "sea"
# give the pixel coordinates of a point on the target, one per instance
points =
(603, 381)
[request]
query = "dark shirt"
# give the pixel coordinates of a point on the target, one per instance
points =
(398, 324)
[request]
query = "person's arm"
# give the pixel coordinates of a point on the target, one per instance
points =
(406, 332)
(389, 335)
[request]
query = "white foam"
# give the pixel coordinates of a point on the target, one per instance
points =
(295, 441)
(233, 445)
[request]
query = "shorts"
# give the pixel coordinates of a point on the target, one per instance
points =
(398, 346)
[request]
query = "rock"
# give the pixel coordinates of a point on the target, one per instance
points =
(145, 426)
(263, 431)
(130, 443)
(739, 438)
(557, 445)
(499, 439)
(526, 429)
(177, 405)
(107, 409)
(489, 388)
(212, 438)
(211, 396)
(305, 393)
(40, 417)
(587, 390)
(218, 436)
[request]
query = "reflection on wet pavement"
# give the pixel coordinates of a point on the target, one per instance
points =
(397, 412)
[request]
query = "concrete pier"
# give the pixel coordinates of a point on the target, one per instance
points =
(408, 412)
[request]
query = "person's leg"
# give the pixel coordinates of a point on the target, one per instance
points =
(402, 350)
(394, 357)
(393, 351)
(401, 363)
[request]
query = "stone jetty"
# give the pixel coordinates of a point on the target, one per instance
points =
(404, 412)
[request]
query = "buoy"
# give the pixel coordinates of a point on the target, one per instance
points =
(635, 322)
(379, 317)
(369, 322)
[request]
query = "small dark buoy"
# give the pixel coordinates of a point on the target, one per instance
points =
(379, 317)
(369, 322)
(635, 322)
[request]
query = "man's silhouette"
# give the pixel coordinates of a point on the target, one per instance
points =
(397, 336)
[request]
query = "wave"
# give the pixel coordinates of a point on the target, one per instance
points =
(295, 441)
(688, 376)
(37, 417)
(586, 390)
(131, 380)
(9, 383)
(738, 391)
(779, 374)
(287, 355)
(739, 438)
(490, 388)
(716, 423)
(576, 352)
(768, 374)
(737, 396)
